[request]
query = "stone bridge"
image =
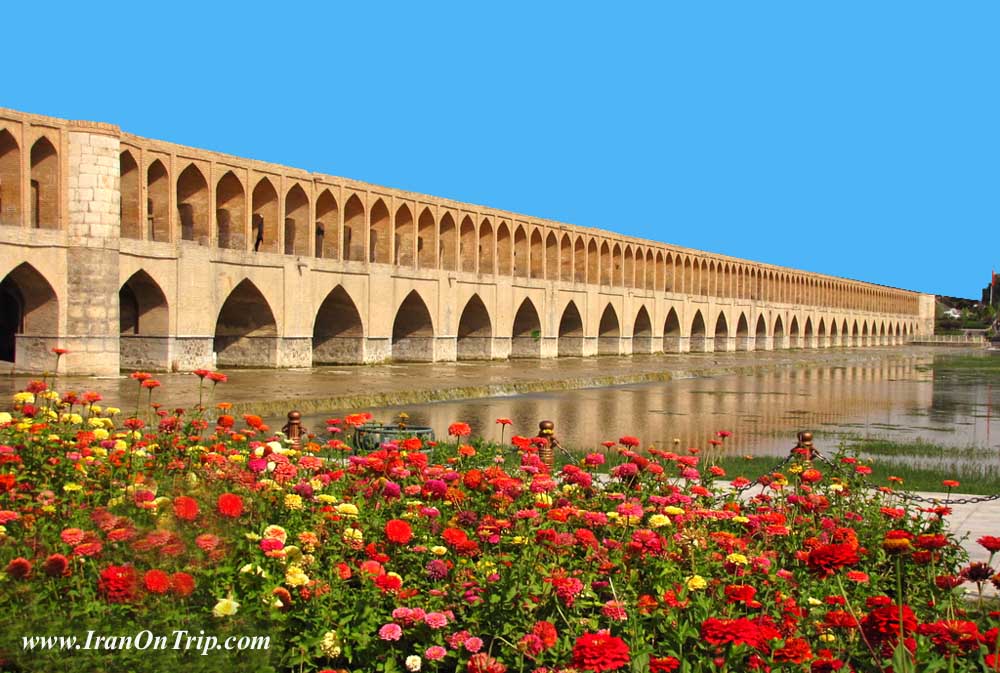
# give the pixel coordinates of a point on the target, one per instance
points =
(138, 253)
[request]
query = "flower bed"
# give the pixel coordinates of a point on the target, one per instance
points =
(457, 557)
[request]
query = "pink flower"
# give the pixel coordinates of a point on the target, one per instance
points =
(72, 536)
(435, 653)
(473, 644)
(390, 632)
(436, 620)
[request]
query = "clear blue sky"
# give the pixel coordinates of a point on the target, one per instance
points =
(860, 139)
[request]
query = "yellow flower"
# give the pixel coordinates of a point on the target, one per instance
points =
(326, 498)
(24, 398)
(828, 637)
(330, 645)
(296, 577)
(696, 582)
(112, 411)
(54, 438)
(71, 486)
(543, 499)
(659, 520)
(438, 550)
(5, 417)
(519, 539)
(353, 536)
(836, 488)
(673, 510)
(740, 519)
(815, 601)
(737, 559)
(795, 469)
(293, 501)
(100, 434)
(347, 509)
(226, 607)
(120, 445)
(237, 458)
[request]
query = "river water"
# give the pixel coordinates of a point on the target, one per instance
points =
(915, 397)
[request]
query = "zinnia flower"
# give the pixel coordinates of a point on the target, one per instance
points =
(182, 584)
(19, 568)
(226, 607)
(398, 531)
(118, 584)
(185, 508)
(156, 581)
(827, 559)
(230, 505)
(600, 652)
(459, 430)
(56, 565)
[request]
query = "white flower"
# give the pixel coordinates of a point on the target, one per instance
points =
(413, 663)
(226, 607)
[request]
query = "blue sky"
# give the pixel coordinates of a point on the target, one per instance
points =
(860, 139)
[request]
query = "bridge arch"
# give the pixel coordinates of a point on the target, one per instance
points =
(672, 332)
(246, 333)
(565, 259)
(605, 263)
(475, 331)
(413, 331)
(743, 342)
(721, 334)
(327, 234)
(580, 260)
(629, 272)
(192, 205)
(230, 212)
(761, 341)
(427, 240)
(353, 236)
(807, 334)
(143, 324)
(609, 332)
(864, 334)
(697, 339)
(297, 221)
(447, 243)
(822, 339)
(794, 334)
(158, 202)
(379, 234)
(593, 263)
(29, 318)
(778, 334)
(642, 332)
(522, 259)
(504, 260)
(526, 333)
(402, 240)
(338, 335)
(486, 245)
(537, 254)
(467, 244)
(11, 212)
(551, 257)
(264, 202)
(131, 194)
(570, 332)
(45, 195)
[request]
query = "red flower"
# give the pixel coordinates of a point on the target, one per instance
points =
(225, 421)
(952, 637)
(484, 663)
(230, 505)
(186, 508)
(201, 373)
(826, 560)
(663, 664)
(881, 625)
(898, 541)
(56, 565)
(149, 384)
(182, 584)
(628, 441)
(795, 651)
(950, 483)
(504, 421)
(398, 531)
(991, 543)
(600, 652)
(19, 568)
(140, 376)
(459, 430)
(156, 581)
(118, 584)
(60, 351)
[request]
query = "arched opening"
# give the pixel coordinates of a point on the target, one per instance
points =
(402, 243)
(687, 278)
(834, 333)
(651, 269)
(593, 263)
(44, 185)
(230, 212)
(29, 319)
(882, 341)
(246, 334)
(427, 240)
(743, 342)
(338, 336)
(793, 334)
(705, 279)
(485, 247)
(807, 334)
(157, 202)
(580, 261)
(570, 332)
(379, 234)
(353, 243)
(551, 257)
(616, 266)
(642, 332)
(144, 324)
(192, 205)
(609, 333)
(537, 255)
(640, 269)
(413, 331)
(526, 341)
(821, 335)
(721, 333)
(565, 259)
(522, 263)
(503, 250)
(856, 335)
(10, 179)
(468, 245)
(130, 207)
(672, 333)
(327, 244)
(448, 243)
(296, 221)
(761, 340)
(864, 334)
(265, 217)
(475, 331)
(664, 267)
(629, 274)
(778, 335)
(698, 342)
(605, 264)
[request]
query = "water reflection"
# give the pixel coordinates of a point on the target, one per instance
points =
(899, 398)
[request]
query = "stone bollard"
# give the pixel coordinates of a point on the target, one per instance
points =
(293, 429)
(806, 442)
(546, 430)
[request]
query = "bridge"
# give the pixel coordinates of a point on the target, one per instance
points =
(132, 252)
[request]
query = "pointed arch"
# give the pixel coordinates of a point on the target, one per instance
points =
(640, 269)
(522, 259)
(468, 245)
(475, 331)
(609, 333)
(688, 278)
(264, 201)
(565, 259)
(663, 266)
(29, 318)
(642, 332)
(651, 271)
(822, 338)
(794, 335)
(448, 243)
(504, 261)
(44, 201)
(696, 339)
(743, 341)
(157, 202)
(551, 257)
(761, 341)
(486, 244)
(579, 261)
(11, 211)
(672, 332)
(130, 182)
(144, 324)
(413, 331)
(537, 254)
(327, 232)
(617, 270)
(807, 334)
(721, 333)
(628, 279)
(778, 334)
(246, 334)
(605, 264)
(338, 335)
(855, 335)
(526, 333)
(230, 212)
(570, 331)
(353, 240)
(593, 263)
(427, 240)
(834, 333)
(192, 205)
(379, 234)
(865, 339)
(403, 240)
(296, 234)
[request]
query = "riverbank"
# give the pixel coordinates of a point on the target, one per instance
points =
(272, 392)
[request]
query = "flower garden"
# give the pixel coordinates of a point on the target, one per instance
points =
(458, 556)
